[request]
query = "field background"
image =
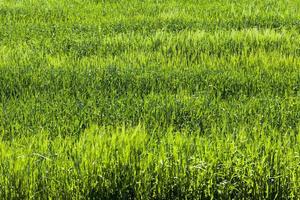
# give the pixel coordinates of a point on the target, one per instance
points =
(149, 99)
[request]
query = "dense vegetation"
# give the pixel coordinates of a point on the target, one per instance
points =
(149, 99)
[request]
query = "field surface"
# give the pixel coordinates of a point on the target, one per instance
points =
(149, 99)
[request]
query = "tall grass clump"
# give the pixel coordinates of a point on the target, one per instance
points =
(111, 163)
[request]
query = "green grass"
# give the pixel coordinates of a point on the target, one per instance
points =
(149, 99)
(118, 163)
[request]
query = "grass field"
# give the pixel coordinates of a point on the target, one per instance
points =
(115, 99)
